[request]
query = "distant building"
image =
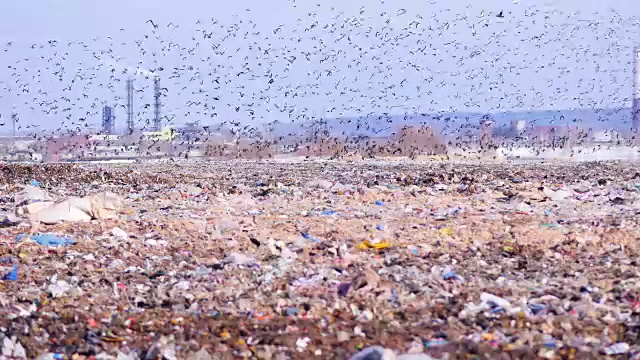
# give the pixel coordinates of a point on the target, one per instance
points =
(554, 135)
(192, 131)
(518, 127)
(606, 136)
(105, 137)
(166, 134)
(65, 146)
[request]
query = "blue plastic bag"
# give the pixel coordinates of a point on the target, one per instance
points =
(11, 275)
(48, 239)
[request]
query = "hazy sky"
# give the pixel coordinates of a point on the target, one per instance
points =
(285, 60)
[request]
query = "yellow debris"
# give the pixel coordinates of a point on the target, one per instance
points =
(378, 246)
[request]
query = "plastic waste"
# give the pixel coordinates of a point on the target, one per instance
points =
(378, 246)
(8, 221)
(59, 288)
(30, 194)
(557, 195)
(292, 311)
(435, 343)
(308, 236)
(320, 184)
(48, 239)
(617, 349)
(201, 354)
(33, 207)
(119, 233)
(238, 259)
(343, 289)
(11, 275)
(99, 206)
(491, 299)
(414, 357)
(374, 353)
(122, 356)
(450, 275)
(135, 196)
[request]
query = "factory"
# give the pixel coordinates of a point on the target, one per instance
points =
(108, 118)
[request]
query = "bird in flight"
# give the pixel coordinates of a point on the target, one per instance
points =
(155, 26)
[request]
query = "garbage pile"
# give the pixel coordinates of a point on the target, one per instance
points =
(333, 260)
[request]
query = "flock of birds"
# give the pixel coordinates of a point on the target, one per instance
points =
(368, 72)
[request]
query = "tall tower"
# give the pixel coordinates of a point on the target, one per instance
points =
(14, 120)
(157, 122)
(130, 125)
(108, 120)
(636, 90)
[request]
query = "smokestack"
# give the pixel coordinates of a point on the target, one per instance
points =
(108, 120)
(130, 124)
(157, 123)
(636, 89)
(14, 120)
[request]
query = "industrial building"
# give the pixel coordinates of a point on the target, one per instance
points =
(518, 127)
(606, 136)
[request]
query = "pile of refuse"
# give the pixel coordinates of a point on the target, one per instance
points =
(334, 260)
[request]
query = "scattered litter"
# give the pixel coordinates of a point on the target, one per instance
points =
(199, 262)
(450, 275)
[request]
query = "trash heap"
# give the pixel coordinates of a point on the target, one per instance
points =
(333, 260)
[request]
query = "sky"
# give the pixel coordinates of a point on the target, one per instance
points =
(263, 61)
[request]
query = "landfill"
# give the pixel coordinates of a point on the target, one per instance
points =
(320, 259)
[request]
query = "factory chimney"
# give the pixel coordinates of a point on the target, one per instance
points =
(130, 125)
(108, 120)
(157, 122)
(636, 90)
